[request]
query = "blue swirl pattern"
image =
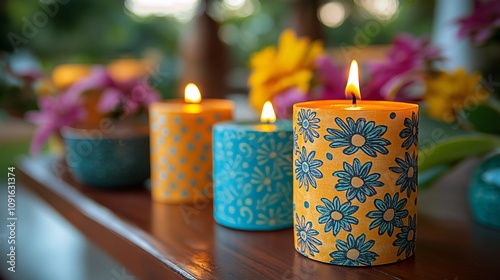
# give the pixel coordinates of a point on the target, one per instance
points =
(252, 178)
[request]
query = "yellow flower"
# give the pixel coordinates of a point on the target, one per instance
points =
(449, 92)
(275, 70)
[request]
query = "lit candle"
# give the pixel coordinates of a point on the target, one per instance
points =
(355, 179)
(253, 173)
(181, 146)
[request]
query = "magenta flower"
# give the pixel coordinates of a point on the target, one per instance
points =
(408, 58)
(329, 84)
(283, 102)
(482, 23)
(55, 112)
(67, 108)
(127, 96)
(332, 79)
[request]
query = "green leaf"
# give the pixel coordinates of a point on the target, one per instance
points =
(427, 178)
(483, 118)
(454, 149)
(433, 130)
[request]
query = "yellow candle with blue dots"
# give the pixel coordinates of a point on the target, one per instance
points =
(355, 179)
(181, 146)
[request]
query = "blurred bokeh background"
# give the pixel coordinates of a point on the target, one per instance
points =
(49, 33)
(179, 37)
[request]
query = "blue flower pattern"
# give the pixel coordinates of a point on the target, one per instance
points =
(354, 252)
(408, 170)
(306, 236)
(389, 215)
(357, 180)
(308, 125)
(359, 135)
(360, 180)
(410, 132)
(337, 216)
(406, 238)
(307, 169)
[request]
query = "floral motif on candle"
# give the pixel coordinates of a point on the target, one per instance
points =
(308, 125)
(278, 151)
(357, 180)
(253, 175)
(408, 169)
(337, 216)
(261, 178)
(406, 238)
(389, 214)
(354, 252)
(306, 236)
(360, 135)
(410, 133)
(358, 196)
(307, 169)
(363, 173)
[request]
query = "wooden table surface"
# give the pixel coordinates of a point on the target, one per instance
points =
(156, 241)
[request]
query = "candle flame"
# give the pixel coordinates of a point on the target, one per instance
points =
(192, 94)
(352, 87)
(268, 114)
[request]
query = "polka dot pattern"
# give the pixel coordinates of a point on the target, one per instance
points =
(181, 146)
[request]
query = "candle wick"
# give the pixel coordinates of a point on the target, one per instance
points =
(353, 99)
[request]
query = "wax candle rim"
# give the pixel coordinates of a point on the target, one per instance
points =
(250, 122)
(252, 125)
(365, 105)
(172, 105)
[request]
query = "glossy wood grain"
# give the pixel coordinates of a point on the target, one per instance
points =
(156, 241)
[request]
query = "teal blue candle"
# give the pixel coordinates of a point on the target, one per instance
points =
(484, 192)
(253, 175)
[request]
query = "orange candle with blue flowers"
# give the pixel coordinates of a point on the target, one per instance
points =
(181, 146)
(355, 179)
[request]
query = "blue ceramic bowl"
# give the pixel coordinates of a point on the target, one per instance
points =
(117, 157)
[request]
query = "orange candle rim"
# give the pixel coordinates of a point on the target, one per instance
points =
(176, 105)
(364, 105)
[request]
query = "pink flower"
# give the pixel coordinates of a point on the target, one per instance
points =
(482, 23)
(283, 102)
(98, 79)
(67, 109)
(332, 79)
(54, 113)
(129, 97)
(408, 58)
